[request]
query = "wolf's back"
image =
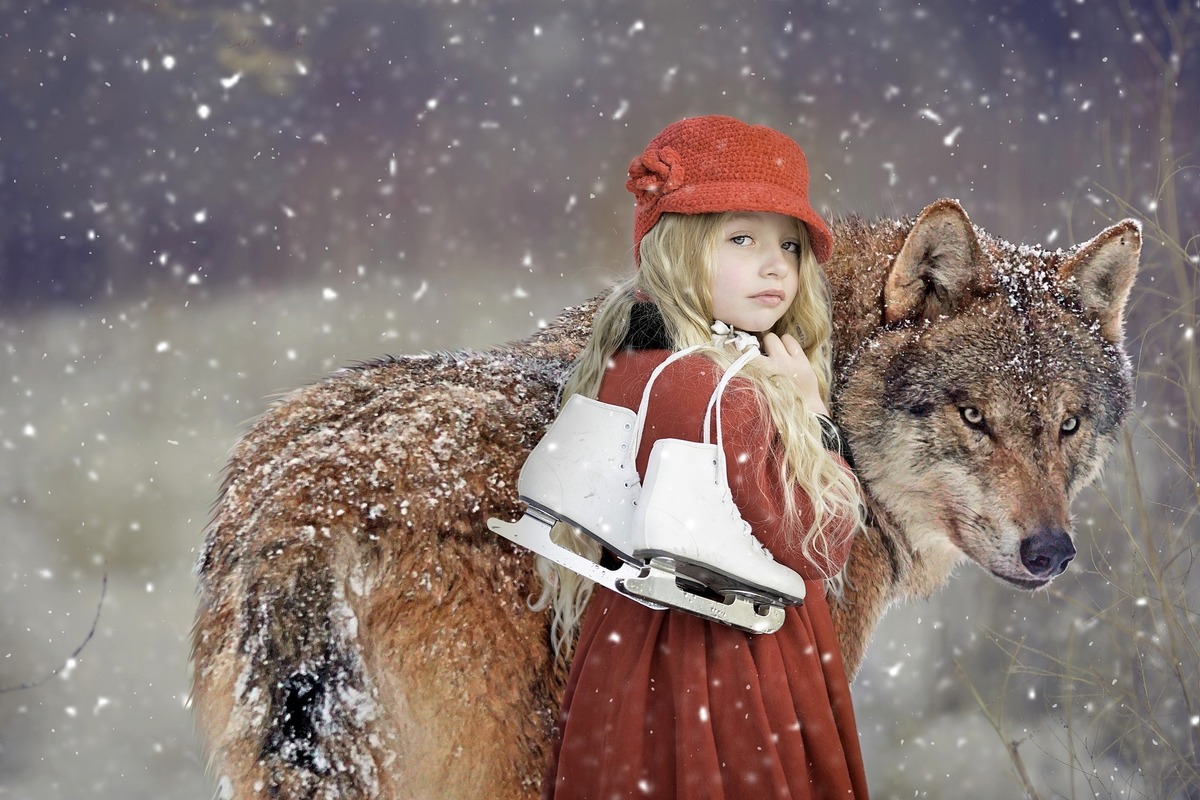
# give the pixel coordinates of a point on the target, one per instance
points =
(348, 575)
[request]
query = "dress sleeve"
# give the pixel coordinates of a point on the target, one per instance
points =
(751, 446)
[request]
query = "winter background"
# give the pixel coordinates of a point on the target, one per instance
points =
(205, 204)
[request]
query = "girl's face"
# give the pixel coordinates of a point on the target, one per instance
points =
(757, 270)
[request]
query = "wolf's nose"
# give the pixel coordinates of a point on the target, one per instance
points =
(1047, 553)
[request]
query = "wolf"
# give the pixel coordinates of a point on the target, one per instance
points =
(360, 633)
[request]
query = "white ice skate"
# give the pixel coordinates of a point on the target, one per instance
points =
(700, 555)
(583, 473)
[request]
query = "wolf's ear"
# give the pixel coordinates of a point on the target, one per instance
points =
(1103, 270)
(938, 266)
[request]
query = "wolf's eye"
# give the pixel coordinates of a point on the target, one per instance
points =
(1069, 426)
(972, 416)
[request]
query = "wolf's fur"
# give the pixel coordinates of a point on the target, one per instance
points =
(361, 634)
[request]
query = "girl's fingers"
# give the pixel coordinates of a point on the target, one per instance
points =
(772, 345)
(793, 348)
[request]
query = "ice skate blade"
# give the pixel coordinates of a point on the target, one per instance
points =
(540, 511)
(533, 533)
(720, 582)
(659, 585)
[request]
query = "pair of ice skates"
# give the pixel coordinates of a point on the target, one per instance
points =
(681, 540)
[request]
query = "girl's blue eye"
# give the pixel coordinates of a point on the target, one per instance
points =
(792, 247)
(740, 239)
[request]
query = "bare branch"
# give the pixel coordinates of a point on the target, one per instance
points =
(74, 653)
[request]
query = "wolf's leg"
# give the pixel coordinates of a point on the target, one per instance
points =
(877, 565)
(465, 670)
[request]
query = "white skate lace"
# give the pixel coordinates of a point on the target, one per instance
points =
(747, 533)
(724, 334)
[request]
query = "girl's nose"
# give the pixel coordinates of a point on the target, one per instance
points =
(775, 263)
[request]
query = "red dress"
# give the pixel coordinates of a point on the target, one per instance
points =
(665, 704)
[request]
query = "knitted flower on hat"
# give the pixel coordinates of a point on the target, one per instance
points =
(654, 173)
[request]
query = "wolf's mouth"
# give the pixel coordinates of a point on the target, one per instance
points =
(1022, 583)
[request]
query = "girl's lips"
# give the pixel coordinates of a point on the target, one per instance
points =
(768, 298)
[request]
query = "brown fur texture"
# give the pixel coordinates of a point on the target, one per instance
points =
(360, 633)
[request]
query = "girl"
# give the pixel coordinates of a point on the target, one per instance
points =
(663, 703)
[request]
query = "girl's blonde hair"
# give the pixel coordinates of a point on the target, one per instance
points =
(678, 262)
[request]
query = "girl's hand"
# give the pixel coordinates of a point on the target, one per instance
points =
(786, 358)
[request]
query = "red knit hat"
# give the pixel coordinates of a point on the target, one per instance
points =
(714, 164)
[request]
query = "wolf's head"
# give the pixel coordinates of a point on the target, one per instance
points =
(989, 391)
